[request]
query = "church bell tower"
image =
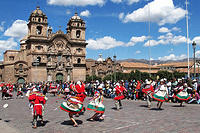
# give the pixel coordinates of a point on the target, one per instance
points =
(37, 26)
(76, 28)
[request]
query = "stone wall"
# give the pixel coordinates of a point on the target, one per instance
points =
(79, 74)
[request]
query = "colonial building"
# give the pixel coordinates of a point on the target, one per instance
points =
(47, 56)
(102, 67)
(142, 67)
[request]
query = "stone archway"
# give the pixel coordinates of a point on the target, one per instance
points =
(21, 80)
(59, 77)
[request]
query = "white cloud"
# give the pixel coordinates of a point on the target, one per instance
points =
(168, 38)
(151, 59)
(106, 42)
(159, 11)
(163, 30)
(18, 29)
(76, 2)
(2, 26)
(172, 57)
(85, 13)
(116, 1)
(68, 12)
(151, 43)
(138, 52)
(130, 2)
(197, 40)
(135, 40)
(178, 39)
(197, 54)
(8, 44)
(176, 29)
(121, 16)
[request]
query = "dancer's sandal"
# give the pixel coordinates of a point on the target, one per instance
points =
(90, 119)
(75, 125)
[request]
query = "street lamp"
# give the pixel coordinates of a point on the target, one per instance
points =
(194, 47)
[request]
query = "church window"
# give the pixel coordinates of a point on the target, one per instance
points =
(79, 60)
(49, 58)
(20, 67)
(39, 47)
(39, 20)
(67, 57)
(39, 30)
(59, 57)
(38, 59)
(11, 58)
(78, 33)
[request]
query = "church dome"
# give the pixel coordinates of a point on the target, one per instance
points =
(100, 59)
(37, 12)
(76, 17)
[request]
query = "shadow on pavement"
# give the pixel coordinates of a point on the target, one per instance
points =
(114, 108)
(39, 124)
(156, 109)
(69, 122)
(7, 120)
(143, 106)
(178, 106)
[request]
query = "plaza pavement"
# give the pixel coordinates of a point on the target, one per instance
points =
(135, 117)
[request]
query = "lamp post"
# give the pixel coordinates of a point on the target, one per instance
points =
(194, 47)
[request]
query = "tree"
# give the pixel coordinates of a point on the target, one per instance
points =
(94, 77)
(164, 74)
(177, 74)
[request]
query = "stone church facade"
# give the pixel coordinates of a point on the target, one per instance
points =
(47, 56)
(102, 67)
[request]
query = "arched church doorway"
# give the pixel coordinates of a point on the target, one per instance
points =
(21, 80)
(59, 77)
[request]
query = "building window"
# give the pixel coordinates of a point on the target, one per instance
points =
(39, 47)
(79, 60)
(11, 58)
(48, 58)
(38, 59)
(59, 58)
(78, 34)
(20, 67)
(39, 30)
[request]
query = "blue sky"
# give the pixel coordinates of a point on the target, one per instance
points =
(117, 27)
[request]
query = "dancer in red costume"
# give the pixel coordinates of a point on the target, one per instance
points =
(119, 92)
(80, 92)
(37, 100)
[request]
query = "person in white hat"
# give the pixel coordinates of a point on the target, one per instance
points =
(160, 94)
(182, 94)
(147, 90)
(119, 92)
(37, 99)
(96, 104)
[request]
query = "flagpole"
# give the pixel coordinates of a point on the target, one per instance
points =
(188, 47)
(149, 40)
